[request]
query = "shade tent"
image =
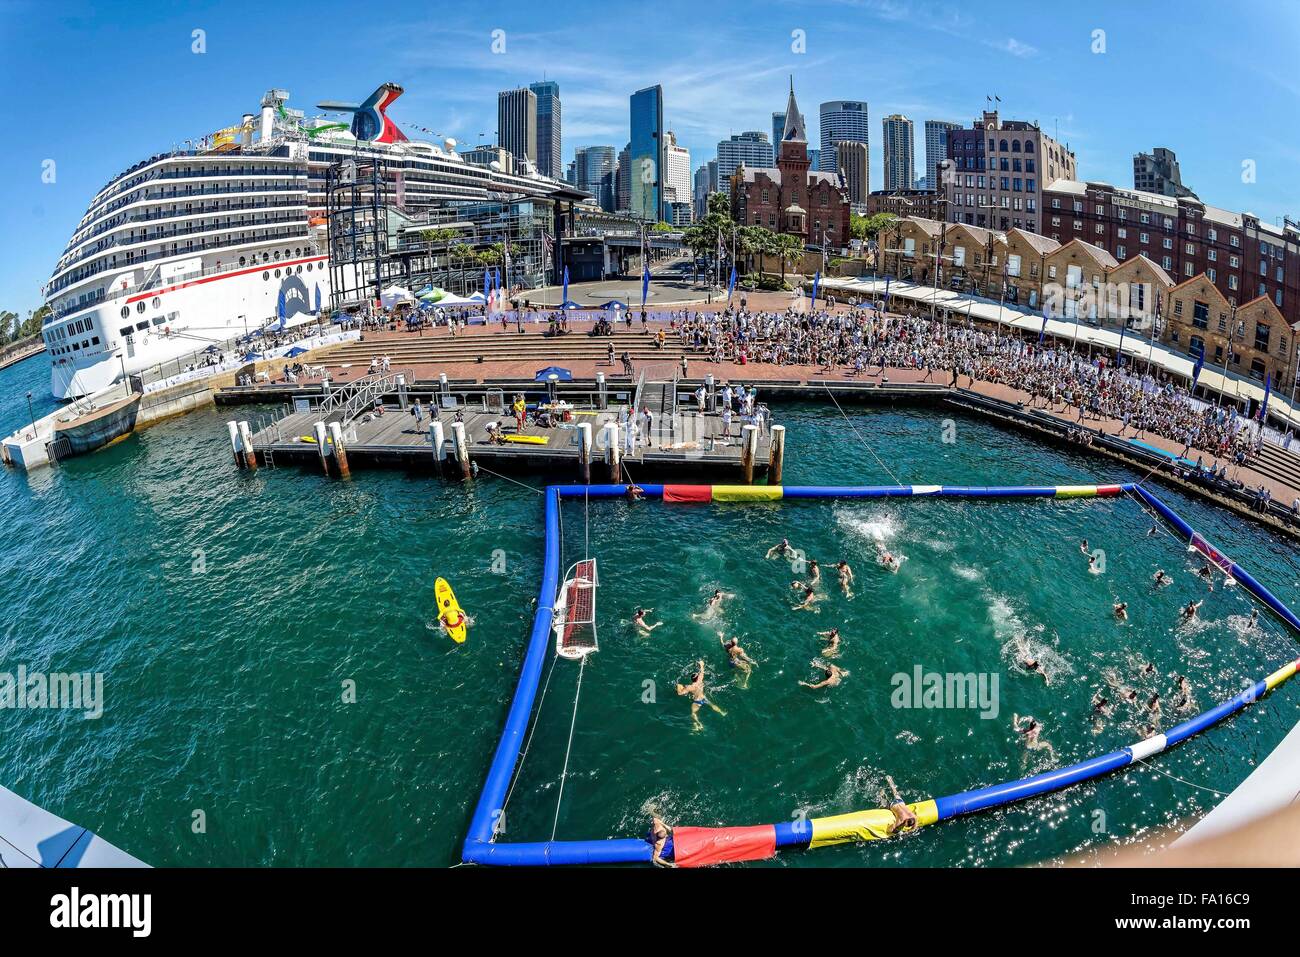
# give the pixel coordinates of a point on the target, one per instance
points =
(451, 299)
(1136, 347)
(394, 295)
(561, 375)
(615, 304)
(295, 352)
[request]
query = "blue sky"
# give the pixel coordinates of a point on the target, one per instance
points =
(96, 87)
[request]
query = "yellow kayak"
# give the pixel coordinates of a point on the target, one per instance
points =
(449, 610)
(529, 439)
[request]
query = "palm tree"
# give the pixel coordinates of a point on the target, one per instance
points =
(790, 249)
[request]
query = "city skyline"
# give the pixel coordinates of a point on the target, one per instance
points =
(452, 91)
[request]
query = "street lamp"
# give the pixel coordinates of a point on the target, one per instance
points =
(31, 414)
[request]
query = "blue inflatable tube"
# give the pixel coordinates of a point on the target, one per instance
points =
(1236, 571)
(560, 853)
(968, 802)
(492, 800)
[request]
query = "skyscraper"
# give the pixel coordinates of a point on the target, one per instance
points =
(1157, 172)
(517, 123)
(623, 181)
(778, 125)
(677, 179)
(842, 121)
(899, 165)
(595, 168)
(702, 190)
(647, 153)
(750, 148)
(936, 149)
(548, 127)
(853, 162)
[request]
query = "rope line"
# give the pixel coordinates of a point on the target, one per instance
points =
(531, 488)
(564, 772)
(537, 715)
(1199, 787)
(864, 442)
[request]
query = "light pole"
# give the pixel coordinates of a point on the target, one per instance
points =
(31, 414)
(1227, 354)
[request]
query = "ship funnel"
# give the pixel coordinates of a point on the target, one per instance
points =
(247, 128)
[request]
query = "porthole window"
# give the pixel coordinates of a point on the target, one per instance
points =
(266, 257)
(241, 260)
(266, 275)
(156, 302)
(277, 274)
(125, 312)
(299, 269)
(309, 267)
(277, 255)
(139, 306)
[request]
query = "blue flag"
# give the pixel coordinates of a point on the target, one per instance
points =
(645, 283)
(564, 298)
(1196, 372)
(731, 284)
(1119, 353)
(318, 299)
(1268, 390)
(886, 293)
(487, 285)
(816, 282)
(1043, 331)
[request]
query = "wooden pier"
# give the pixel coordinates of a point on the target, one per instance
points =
(376, 426)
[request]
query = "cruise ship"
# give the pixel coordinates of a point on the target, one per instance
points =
(198, 246)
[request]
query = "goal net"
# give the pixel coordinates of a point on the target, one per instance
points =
(575, 611)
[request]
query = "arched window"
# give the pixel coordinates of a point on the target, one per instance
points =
(1015, 146)
(1002, 145)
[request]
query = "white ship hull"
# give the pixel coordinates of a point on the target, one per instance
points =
(184, 319)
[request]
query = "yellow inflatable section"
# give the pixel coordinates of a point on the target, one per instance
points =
(865, 825)
(1076, 491)
(1281, 675)
(746, 493)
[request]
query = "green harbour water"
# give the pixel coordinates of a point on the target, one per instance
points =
(229, 612)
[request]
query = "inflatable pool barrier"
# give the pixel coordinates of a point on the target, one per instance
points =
(703, 846)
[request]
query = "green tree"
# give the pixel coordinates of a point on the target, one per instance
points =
(789, 249)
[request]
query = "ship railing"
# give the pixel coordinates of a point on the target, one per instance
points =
(203, 357)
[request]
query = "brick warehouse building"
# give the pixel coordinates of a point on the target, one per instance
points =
(793, 198)
(997, 171)
(1255, 338)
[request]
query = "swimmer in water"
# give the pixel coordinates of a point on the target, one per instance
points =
(1093, 564)
(1032, 731)
(1160, 579)
(1254, 619)
(737, 658)
(641, 624)
(657, 837)
(780, 550)
(1189, 612)
(714, 602)
(1204, 572)
(904, 816)
(814, 573)
(1184, 700)
(1101, 704)
(832, 637)
(809, 600)
(834, 674)
(846, 578)
(635, 493)
(695, 690)
(1121, 610)
(1085, 549)
(887, 559)
(1153, 704)
(1153, 530)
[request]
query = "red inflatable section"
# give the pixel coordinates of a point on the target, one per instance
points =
(702, 846)
(688, 493)
(1109, 489)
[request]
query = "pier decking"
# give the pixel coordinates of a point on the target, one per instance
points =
(681, 439)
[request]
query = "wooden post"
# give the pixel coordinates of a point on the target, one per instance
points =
(322, 447)
(602, 392)
(461, 448)
(612, 450)
(401, 392)
(777, 457)
(748, 449)
(584, 452)
(436, 439)
(246, 442)
(340, 453)
(710, 394)
(233, 428)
